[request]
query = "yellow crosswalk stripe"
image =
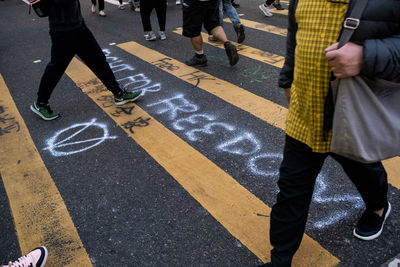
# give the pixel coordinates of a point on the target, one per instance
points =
(280, 12)
(39, 212)
(224, 198)
(259, 107)
(261, 26)
(392, 167)
(250, 52)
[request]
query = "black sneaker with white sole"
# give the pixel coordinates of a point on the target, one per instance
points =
(370, 225)
(125, 97)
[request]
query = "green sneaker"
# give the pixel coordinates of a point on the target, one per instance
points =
(126, 97)
(44, 112)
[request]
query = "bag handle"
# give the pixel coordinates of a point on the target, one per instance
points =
(351, 23)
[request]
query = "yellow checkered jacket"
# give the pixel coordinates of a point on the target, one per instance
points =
(319, 23)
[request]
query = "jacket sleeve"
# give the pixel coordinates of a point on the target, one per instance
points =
(382, 58)
(286, 74)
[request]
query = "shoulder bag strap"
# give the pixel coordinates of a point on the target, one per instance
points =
(351, 23)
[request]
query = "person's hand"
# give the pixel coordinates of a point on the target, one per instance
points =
(287, 94)
(346, 61)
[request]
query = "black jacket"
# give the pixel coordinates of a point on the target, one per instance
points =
(378, 32)
(65, 15)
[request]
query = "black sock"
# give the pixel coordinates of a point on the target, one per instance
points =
(119, 94)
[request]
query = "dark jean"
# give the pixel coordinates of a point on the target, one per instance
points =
(147, 6)
(65, 45)
(101, 4)
(298, 172)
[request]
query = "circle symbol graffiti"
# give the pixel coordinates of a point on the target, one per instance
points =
(63, 146)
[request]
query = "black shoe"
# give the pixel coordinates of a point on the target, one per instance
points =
(278, 6)
(239, 29)
(195, 61)
(370, 225)
(231, 52)
(235, 5)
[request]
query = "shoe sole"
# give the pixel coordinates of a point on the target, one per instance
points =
(126, 101)
(371, 237)
(197, 65)
(41, 116)
(265, 13)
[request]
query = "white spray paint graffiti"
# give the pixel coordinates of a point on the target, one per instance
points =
(55, 146)
(320, 197)
(134, 82)
(244, 144)
(192, 119)
(195, 126)
(193, 134)
(173, 105)
(273, 158)
(120, 67)
(394, 263)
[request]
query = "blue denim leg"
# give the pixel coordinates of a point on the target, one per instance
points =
(221, 15)
(230, 12)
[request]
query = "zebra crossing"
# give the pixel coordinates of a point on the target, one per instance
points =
(230, 203)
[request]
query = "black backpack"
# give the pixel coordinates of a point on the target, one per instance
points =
(41, 7)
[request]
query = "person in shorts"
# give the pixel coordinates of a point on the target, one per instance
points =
(197, 13)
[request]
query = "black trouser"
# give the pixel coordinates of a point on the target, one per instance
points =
(146, 6)
(269, 2)
(64, 47)
(101, 4)
(298, 172)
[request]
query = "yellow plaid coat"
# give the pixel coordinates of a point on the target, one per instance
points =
(318, 26)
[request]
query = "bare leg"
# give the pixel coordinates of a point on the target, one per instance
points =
(219, 33)
(197, 43)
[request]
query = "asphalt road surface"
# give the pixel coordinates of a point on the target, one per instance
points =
(185, 176)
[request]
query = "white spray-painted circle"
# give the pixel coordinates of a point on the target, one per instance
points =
(54, 145)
